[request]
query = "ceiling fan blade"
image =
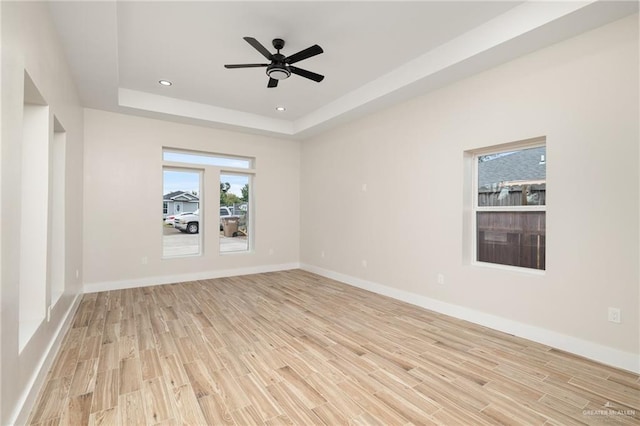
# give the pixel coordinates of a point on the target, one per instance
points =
(246, 65)
(272, 83)
(259, 47)
(304, 54)
(307, 74)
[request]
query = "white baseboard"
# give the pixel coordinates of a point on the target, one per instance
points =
(28, 398)
(171, 279)
(597, 352)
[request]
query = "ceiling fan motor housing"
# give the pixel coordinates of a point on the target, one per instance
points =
(278, 43)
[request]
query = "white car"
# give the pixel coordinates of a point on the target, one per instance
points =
(190, 222)
(170, 220)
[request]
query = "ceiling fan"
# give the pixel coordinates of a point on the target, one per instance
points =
(280, 66)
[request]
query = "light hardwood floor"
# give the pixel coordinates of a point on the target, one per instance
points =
(295, 348)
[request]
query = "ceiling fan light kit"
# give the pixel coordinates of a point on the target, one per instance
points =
(278, 72)
(280, 67)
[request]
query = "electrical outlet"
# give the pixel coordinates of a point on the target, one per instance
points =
(144, 260)
(614, 315)
(322, 254)
(441, 279)
(364, 263)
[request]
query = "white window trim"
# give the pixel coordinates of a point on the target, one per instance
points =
(250, 160)
(496, 149)
(205, 169)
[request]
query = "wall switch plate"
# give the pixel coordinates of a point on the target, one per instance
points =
(614, 315)
(441, 279)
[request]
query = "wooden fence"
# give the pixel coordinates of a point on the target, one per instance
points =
(526, 195)
(512, 238)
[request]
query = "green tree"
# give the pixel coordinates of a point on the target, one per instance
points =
(230, 199)
(224, 188)
(245, 193)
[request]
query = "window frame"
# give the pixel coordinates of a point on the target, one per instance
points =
(208, 170)
(212, 155)
(250, 216)
(475, 208)
(201, 220)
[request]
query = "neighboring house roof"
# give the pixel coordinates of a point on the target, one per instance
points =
(524, 165)
(180, 196)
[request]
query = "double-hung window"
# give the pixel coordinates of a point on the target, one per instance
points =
(509, 211)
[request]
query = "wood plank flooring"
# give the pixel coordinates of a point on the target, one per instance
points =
(295, 348)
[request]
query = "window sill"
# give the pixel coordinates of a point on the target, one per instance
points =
(509, 268)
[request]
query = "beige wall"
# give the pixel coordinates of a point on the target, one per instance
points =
(582, 94)
(29, 43)
(310, 205)
(123, 200)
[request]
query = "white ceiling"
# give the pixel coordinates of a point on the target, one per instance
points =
(375, 53)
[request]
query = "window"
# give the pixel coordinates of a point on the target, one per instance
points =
(510, 205)
(181, 234)
(234, 212)
(181, 197)
(204, 158)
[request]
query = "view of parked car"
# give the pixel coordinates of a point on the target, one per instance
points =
(190, 222)
(170, 220)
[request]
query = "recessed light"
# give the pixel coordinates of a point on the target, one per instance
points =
(165, 82)
(281, 108)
